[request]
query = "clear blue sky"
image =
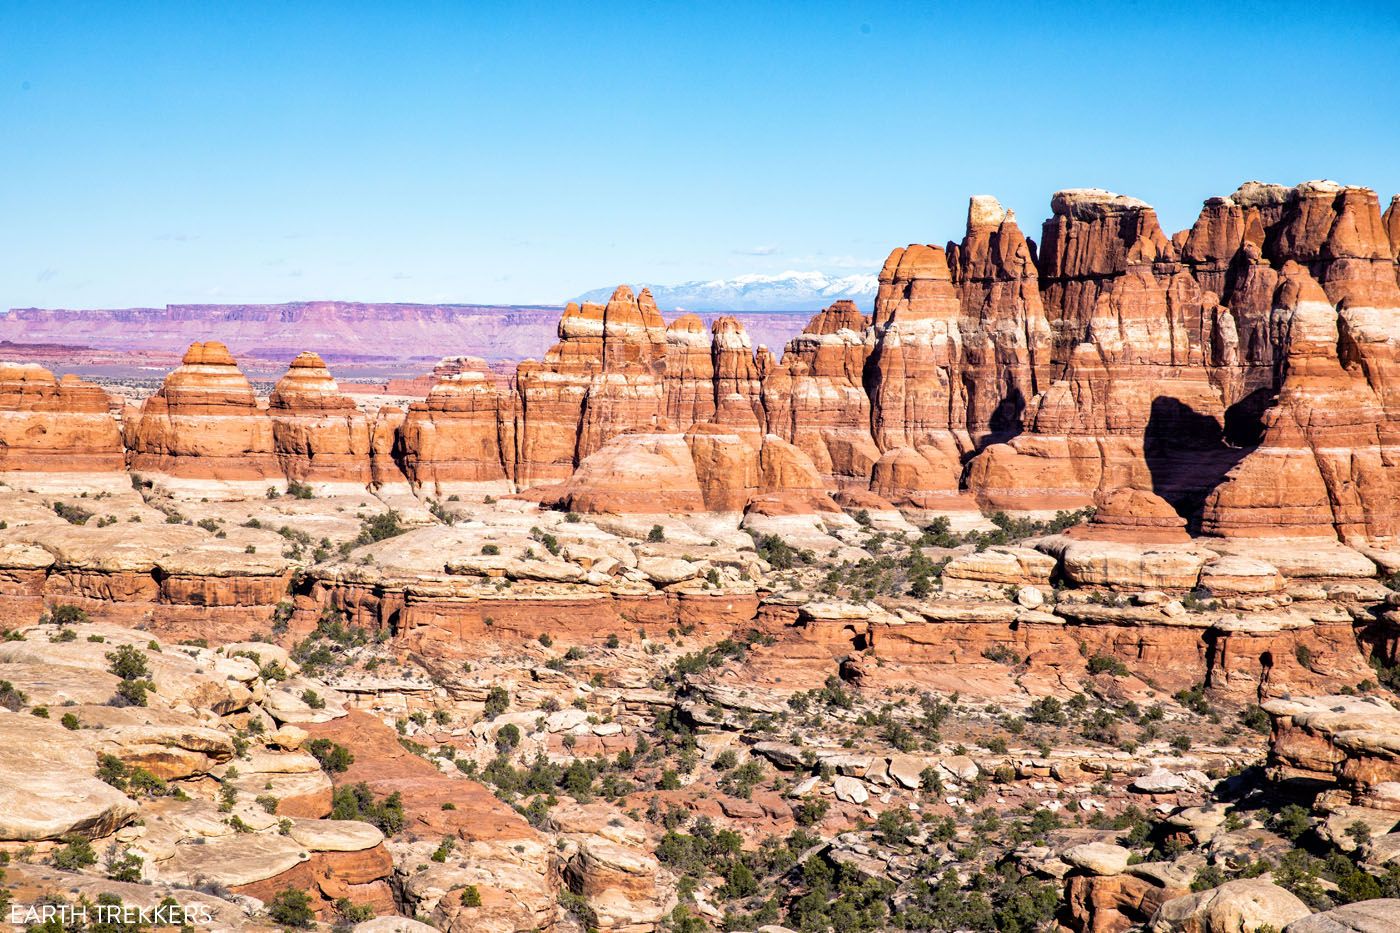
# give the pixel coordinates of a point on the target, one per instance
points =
(174, 152)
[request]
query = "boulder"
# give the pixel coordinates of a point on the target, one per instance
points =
(1242, 906)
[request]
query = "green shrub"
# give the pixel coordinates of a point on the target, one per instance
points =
(73, 514)
(133, 692)
(1047, 711)
(444, 849)
(292, 908)
(352, 913)
(65, 614)
(334, 757)
(497, 702)
(77, 853)
(124, 867)
(358, 803)
(128, 663)
(1107, 664)
(379, 527)
(507, 737)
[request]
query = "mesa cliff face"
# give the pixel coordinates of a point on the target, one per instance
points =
(991, 375)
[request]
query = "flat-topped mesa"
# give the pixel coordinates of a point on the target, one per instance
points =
(50, 427)
(321, 438)
(1319, 470)
(816, 399)
(203, 434)
(1005, 334)
(460, 440)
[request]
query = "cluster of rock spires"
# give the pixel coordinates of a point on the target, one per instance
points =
(1243, 370)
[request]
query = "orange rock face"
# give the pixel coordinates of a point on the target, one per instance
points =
(519, 874)
(916, 386)
(1006, 337)
(460, 440)
(1320, 468)
(1133, 515)
(320, 436)
(690, 372)
(203, 431)
(1242, 371)
(816, 399)
(636, 473)
(50, 425)
(603, 377)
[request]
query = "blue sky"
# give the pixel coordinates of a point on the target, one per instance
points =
(205, 152)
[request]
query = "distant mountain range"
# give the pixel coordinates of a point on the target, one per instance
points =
(341, 331)
(786, 291)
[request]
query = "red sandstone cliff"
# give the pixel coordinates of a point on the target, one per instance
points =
(1257, 346)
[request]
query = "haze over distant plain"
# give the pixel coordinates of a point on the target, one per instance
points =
(525, 154)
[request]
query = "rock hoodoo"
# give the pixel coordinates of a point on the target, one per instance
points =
(991, 375)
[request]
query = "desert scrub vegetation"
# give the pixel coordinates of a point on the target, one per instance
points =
(328, 645)
(377, 528)
(780, 555)
(64, 614)
(358, 802)
(131, 666)
(1008, 530)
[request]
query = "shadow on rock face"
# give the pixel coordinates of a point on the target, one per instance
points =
(1187, 455)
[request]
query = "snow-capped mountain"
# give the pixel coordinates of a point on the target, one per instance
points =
(786, 291)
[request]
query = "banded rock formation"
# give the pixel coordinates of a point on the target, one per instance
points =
(992, 374)
(319, 435)
(204, 430)
(53, 428)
